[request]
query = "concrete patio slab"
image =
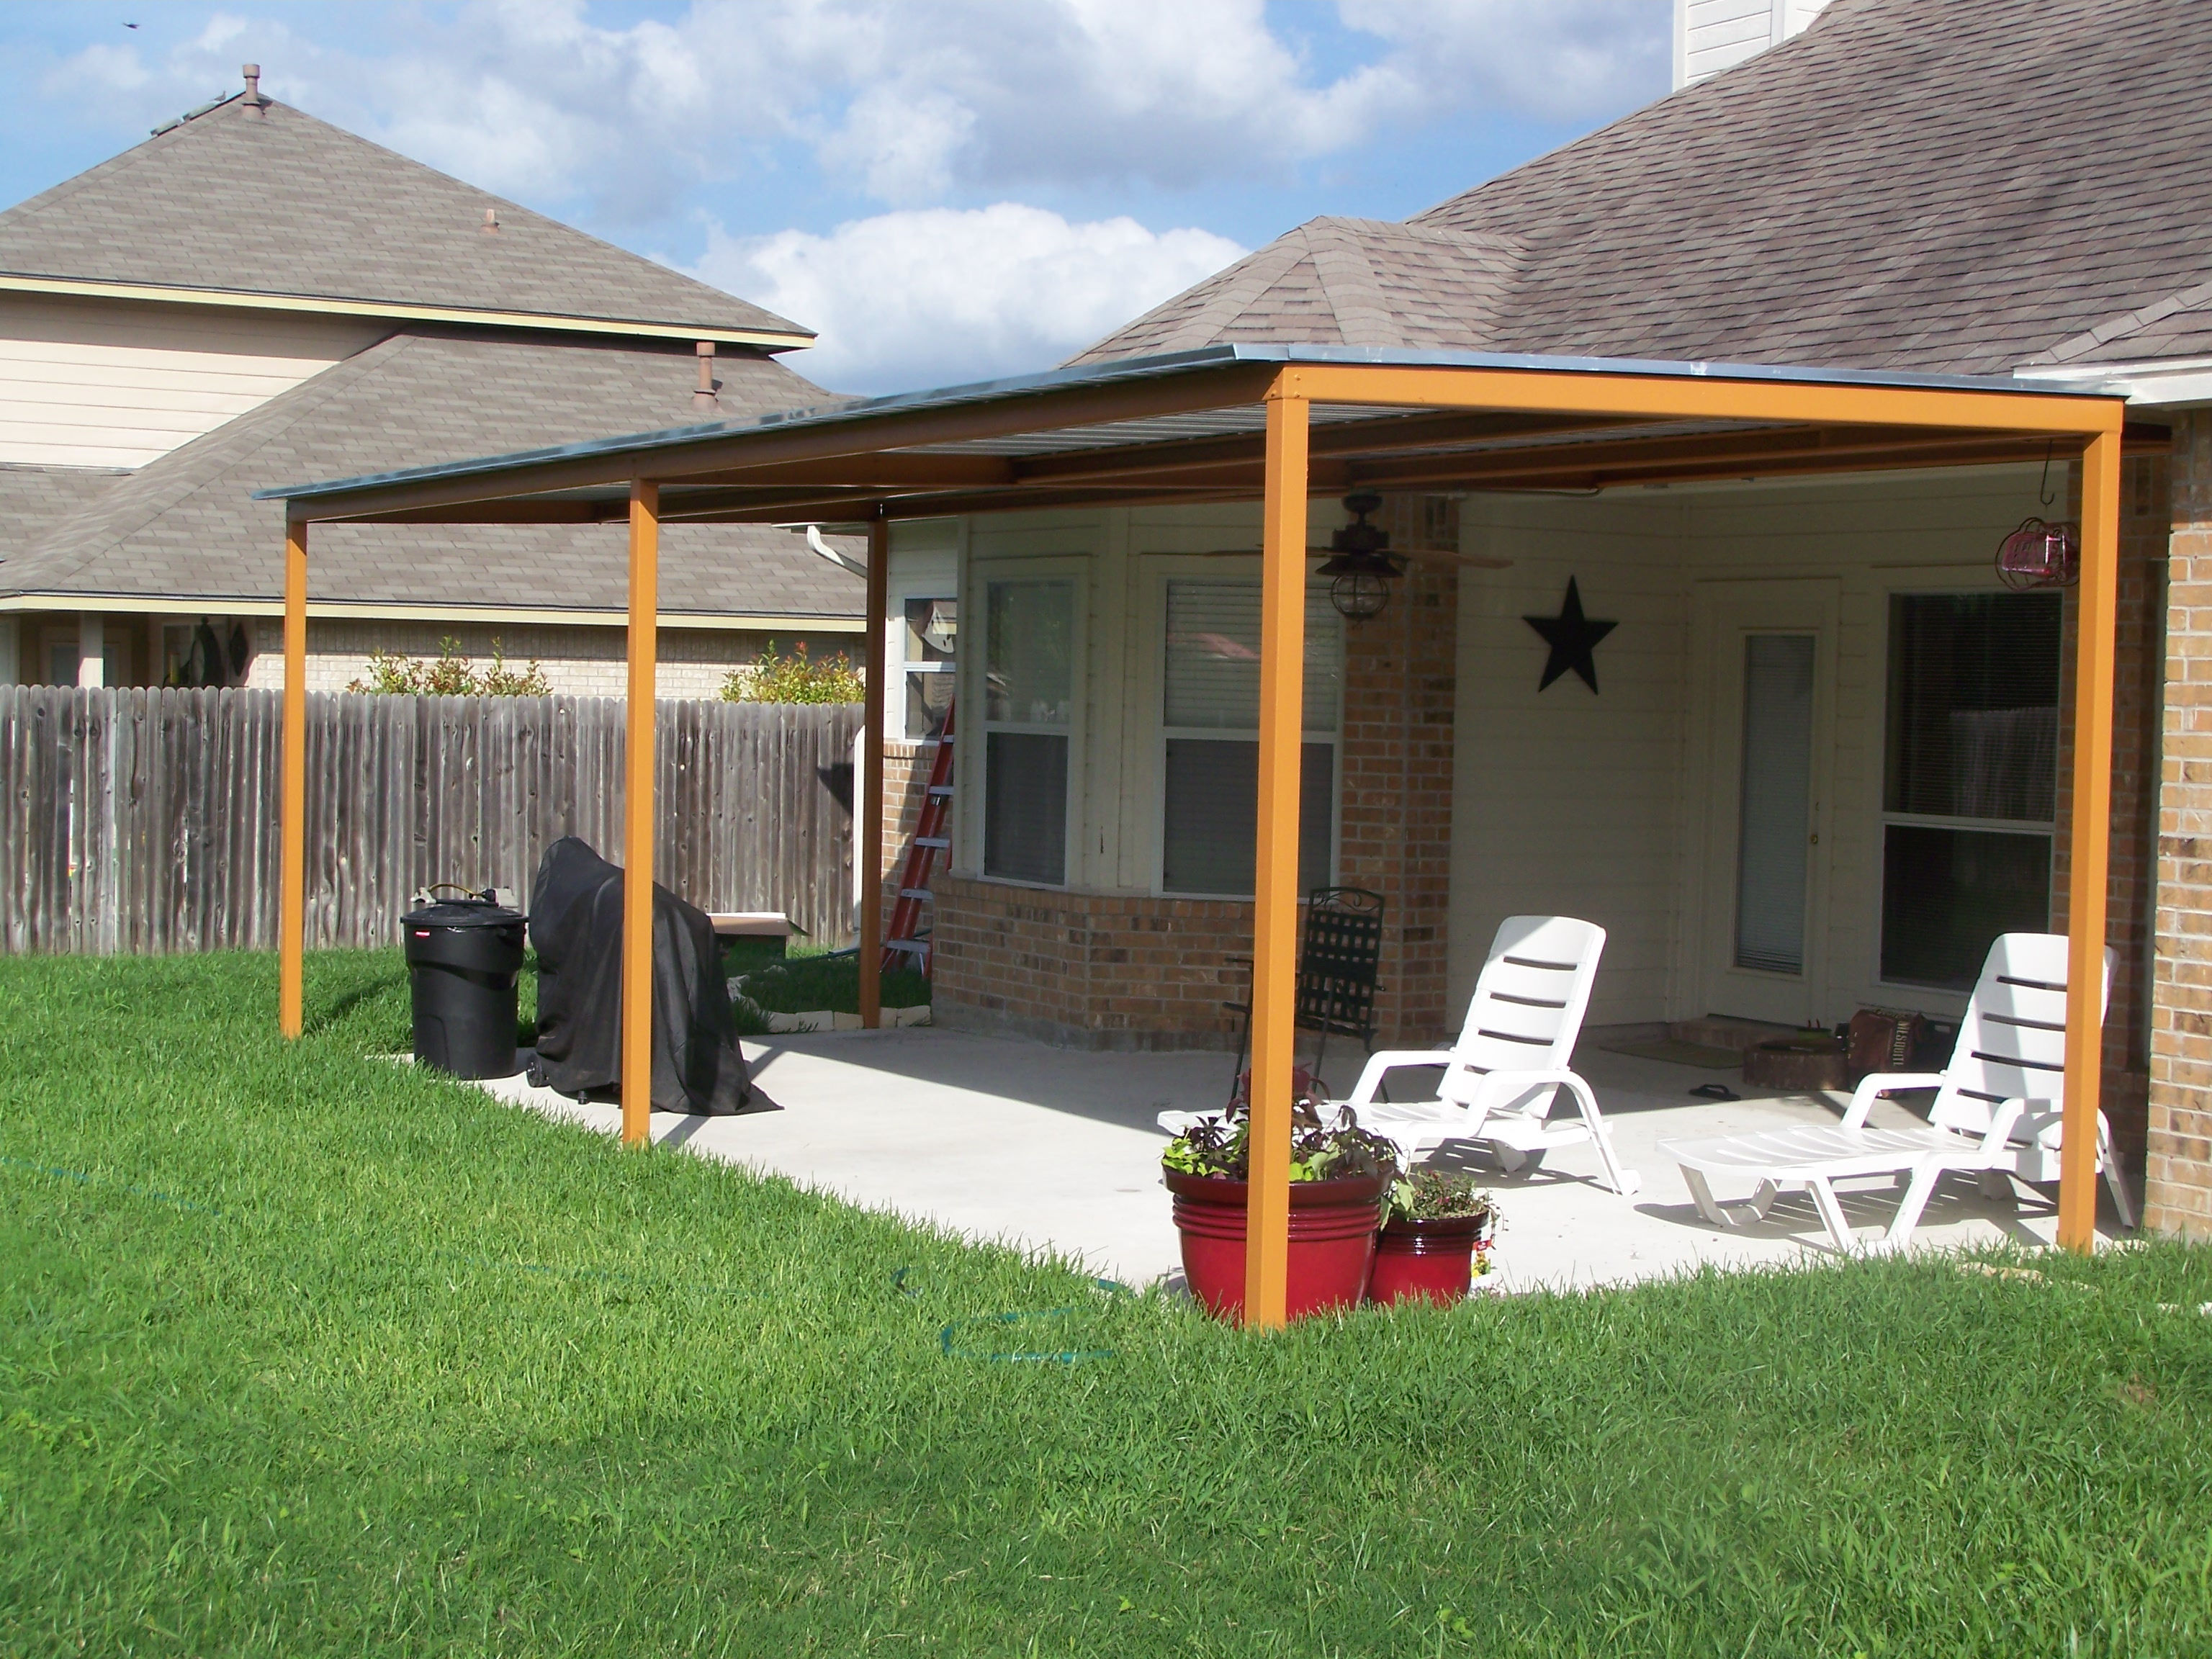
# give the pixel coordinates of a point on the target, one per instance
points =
(1051, 1149)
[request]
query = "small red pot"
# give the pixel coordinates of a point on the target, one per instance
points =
(1432, 1259)
(1331, 1241)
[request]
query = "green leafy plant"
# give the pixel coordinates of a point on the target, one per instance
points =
(1332, 1149)
(772, 676)
(450, 674)
(1432, 1194)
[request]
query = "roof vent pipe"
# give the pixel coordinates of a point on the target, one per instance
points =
(703, 397)
(491, 226)
(256, 99)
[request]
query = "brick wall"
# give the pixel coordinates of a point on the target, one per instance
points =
(2179, 1185)
(1101, 970)
(2138, 676)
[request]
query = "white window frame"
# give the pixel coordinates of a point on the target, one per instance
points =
(1160, 569)
(1932, 584)
(972, 663)
(899, 667)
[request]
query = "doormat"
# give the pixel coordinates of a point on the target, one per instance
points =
(1705, 1056)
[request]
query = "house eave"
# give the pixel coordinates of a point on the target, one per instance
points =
(369, 611)
(2171, 383)
(391, 311)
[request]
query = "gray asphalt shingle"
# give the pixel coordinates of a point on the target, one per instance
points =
(1918, 184)
(281, 202)
(186, 525)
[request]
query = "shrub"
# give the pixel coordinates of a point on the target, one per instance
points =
(774, 677)
(451, 675)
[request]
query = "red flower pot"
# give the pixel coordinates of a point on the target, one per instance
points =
(1430, 1258)
(1331, 1241)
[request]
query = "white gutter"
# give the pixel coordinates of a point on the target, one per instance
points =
(318, 305)
(2168, 383)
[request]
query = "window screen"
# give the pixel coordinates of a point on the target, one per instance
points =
(1210, 717)
(1028, 712)
(1971, 745)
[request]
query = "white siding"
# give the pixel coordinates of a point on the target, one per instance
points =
(1586, 804)
(1711, 35)
(108, 384)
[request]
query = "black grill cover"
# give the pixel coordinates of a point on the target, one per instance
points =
(575, 926)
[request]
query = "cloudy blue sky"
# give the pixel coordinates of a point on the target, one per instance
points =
(945, 189)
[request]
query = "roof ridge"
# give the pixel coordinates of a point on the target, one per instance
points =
(344, 220)
(2121, 323)
(1354, 292)
(1263, 268)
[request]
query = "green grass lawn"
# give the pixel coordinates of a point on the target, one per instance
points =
(306, 1354)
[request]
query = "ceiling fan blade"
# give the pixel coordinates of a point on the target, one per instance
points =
(1452, 555)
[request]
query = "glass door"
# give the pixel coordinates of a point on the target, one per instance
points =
(1766, 653)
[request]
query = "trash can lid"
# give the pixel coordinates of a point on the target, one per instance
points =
(463, 913)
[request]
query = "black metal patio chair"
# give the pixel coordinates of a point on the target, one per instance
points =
(1340, 955)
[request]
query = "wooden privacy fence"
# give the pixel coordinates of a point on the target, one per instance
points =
(145, 821)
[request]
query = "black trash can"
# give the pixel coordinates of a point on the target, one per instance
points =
(463, 956)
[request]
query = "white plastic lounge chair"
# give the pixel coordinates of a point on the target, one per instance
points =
(1512, 1059)
(1997, 1114)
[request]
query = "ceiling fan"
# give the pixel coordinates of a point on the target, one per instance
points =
(1363, 564)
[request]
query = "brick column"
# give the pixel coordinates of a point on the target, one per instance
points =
(1399, 678)
(2138, 676)
(2178, 1184)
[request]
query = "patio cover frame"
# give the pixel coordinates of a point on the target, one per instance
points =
(1228, 424)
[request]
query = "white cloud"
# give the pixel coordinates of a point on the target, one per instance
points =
(923, 297)
(906, 100)
(1557, 59)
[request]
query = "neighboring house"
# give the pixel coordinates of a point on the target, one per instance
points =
(1822, 766)
(252, 297)
(1711, 35)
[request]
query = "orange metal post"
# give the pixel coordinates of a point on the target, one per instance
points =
(292, 886)
(2095, 614)
(1275, 912)
(638, 816)
(868, 850)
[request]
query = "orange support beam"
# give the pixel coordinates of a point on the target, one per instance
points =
(1275, 890)
(638, 816)
(868, 849)
(2095, 617)
(292, 886)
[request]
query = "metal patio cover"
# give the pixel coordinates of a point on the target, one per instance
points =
(1232, 422)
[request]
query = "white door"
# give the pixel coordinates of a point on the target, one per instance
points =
(1767, 651)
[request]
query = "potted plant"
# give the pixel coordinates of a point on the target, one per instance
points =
(1339, 1175)
(1435, 1236)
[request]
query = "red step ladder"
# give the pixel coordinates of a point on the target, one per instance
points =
(904, 939)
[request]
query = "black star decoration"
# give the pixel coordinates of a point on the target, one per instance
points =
(1572, 637)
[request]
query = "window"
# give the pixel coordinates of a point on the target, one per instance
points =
(1028, 715)
(1210, 727)
(1969, 779)
(930, 636)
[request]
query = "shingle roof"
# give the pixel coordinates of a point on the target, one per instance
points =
(33, 500)
(183, 526)
(1916, 185)
(279, 203)
(1337, 281)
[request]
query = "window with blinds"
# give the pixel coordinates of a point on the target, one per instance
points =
(1209, 730)
(1029, 691)
(1970, 779)
(929, 640)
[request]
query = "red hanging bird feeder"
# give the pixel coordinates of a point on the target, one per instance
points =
(2040, 555)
